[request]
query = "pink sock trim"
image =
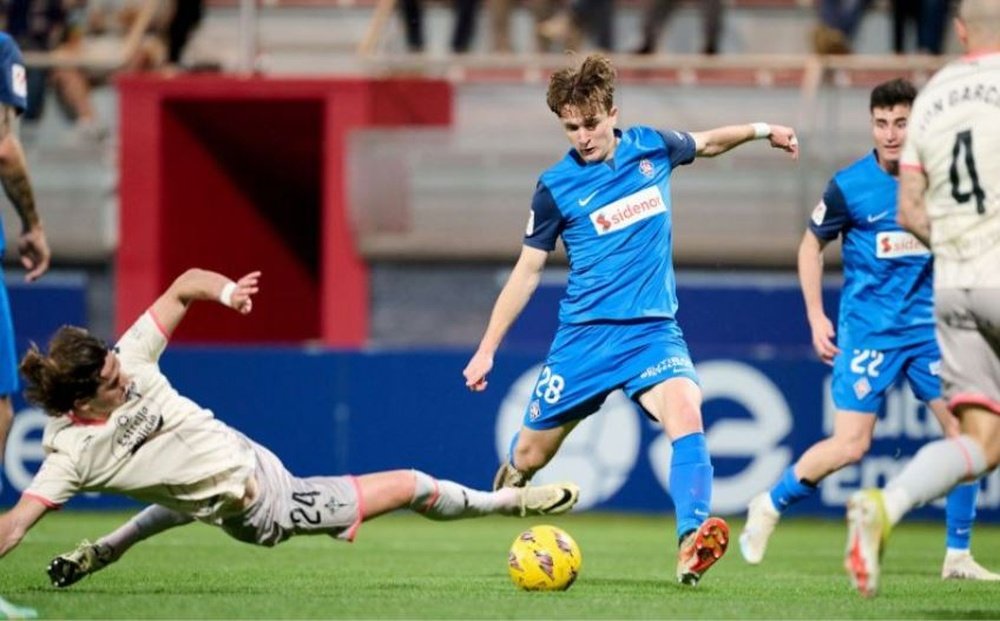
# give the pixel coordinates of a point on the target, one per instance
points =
(969, 398)
(434, 496)
(353, 530)
(965, 455)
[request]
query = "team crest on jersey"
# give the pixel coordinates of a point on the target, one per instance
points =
(862, 388)
(646, 168)
(627, 211)
(534, 410)
(18, 80)
(819, 213)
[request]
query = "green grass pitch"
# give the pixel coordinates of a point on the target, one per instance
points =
(403, 566)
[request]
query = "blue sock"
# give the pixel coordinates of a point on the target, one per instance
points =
(690, 482)
(510, 448)
(789, 490)
(960, 512)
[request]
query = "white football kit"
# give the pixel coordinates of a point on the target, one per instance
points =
(954, 139)
(160, 447)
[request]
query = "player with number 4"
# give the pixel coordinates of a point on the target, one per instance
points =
(949, 197)
(885, 331)
(609, 201)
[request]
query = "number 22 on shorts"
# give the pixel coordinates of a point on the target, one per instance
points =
(866, 362)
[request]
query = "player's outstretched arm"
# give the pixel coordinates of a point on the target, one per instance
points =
(198, 284)
(717, 141)
(515, 295)
(18, 521)
(32, 245)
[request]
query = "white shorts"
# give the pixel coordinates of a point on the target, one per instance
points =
(968, 332)
(287, 505)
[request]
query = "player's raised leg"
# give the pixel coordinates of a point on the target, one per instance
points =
(439, 499)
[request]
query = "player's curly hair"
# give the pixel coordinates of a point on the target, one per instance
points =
(589, 89)
(71, 370)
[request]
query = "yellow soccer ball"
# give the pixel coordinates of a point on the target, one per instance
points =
(544, 558)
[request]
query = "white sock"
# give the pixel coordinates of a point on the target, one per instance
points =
(933, 471)
(446, 500)
(150, 521)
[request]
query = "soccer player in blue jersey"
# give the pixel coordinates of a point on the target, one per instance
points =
(32, 244)
(609, 200)
(885, 331)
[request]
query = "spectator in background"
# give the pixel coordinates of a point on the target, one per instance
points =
(541, 10)
(45, 26)
(184, 19)
(32, 245)
(566, 27)
(658, 12)
(412, 12)
(929, 17)
(105, 37)
(838, 23)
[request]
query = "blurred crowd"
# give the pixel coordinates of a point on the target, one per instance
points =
(85, 42)
(90, 40)
(572, 24)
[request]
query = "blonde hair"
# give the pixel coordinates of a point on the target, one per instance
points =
(589, 88)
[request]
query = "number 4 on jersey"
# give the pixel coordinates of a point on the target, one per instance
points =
(963, 146)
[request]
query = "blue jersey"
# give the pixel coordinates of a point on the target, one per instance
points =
(13, 81)
(614, 219)
(887, 300)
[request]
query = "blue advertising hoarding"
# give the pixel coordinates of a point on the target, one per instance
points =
(326, 412)
(337, 412)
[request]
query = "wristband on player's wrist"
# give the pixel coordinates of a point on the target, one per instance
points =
(761, 130)
(226, 295)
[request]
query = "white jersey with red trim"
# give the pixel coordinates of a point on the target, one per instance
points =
(954, 138)
(159, 447)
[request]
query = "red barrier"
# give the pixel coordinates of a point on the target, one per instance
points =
(237, 174)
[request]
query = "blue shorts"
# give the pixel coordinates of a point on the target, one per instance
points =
(589, 361)
(8, 354)
(861, 377)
